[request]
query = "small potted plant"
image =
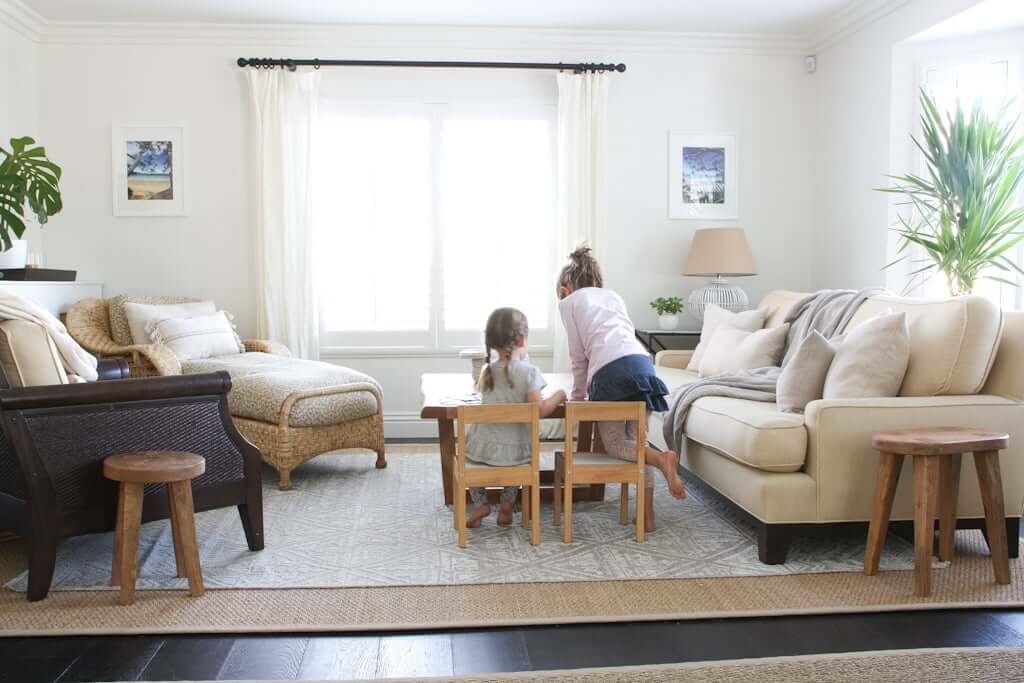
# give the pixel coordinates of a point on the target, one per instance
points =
(668, 310)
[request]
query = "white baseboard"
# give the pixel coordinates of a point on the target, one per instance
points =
(408, 426)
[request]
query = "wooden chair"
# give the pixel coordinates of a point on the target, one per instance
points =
(573, 468)
(468, 474)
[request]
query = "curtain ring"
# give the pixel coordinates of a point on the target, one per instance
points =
(316, 63)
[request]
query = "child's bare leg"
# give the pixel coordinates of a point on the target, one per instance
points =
(508, 499)
(480, 507)
(619, 439)
(668, 464)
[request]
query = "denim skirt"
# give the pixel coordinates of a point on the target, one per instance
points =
(630, 378)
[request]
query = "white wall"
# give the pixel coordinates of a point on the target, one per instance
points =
(19, 88)
(90, 82)
(852, 96)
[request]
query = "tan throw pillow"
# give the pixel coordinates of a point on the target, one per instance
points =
(139, 314)
(120, 332)
(202, 336)
(802, 380)
(733, 350)
(715, 317)
(871, 359)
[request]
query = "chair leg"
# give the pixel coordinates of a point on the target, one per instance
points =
(641, 511)
(525, 505)
(459, 500)
(624, 504)
(252, 524)
(535, 510)
(382, 460)
(567, 485)
(183, 509)
(949, 490)
(991, 483)
(284, 481)
(129, 519)
(42, 555)
(556, 492)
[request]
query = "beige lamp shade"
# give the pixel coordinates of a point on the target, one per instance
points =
(720, 251)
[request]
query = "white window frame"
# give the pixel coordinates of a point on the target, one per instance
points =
(437, 341)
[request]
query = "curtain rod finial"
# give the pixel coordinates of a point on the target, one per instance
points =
(620, 68)
(242, 61)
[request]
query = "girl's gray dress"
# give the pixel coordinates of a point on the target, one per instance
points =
(503, 445)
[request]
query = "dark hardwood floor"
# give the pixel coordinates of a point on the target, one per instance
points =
(334, 656)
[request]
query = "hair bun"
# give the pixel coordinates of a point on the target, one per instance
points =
(581, 253)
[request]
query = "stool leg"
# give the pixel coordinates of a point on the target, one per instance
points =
(949, 490)
(926, 484)
(624, 504)
(990, 481)
(889, 467)
(129, 519)
(115, 569)
(180, 496)
(179, 560)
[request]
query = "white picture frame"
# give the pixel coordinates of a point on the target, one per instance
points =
(157, 184)
(703, 176)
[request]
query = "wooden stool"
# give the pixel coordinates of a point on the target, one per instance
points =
(937, 452)
(134, 470)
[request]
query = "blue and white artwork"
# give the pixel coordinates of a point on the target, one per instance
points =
(703, 175)
(150, 170)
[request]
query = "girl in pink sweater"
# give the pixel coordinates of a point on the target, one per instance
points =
(608, 363)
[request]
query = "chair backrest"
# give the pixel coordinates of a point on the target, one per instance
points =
(499, 413)
(606, 411)
(28, 356)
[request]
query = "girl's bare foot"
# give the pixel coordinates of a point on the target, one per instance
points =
(670, 468)
(477, 516)
(505, 514)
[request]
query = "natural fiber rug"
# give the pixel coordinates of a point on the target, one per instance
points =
(967, 582)
(938, 665)
(346, 524)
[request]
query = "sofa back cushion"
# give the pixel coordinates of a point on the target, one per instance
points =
(953, 342)
(777, 304)
(120, 329)
(28, 355)
(1007, 375)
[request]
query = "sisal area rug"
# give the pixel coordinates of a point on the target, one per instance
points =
(510, 598)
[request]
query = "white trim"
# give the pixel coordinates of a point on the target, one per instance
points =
(22, 19)
(849, 20)
(408, 425)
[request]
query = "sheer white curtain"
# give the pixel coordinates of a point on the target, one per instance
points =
(285, 110)
(582, 162)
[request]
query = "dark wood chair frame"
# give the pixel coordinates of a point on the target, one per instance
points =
(54, 440)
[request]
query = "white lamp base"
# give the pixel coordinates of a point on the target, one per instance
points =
(720, 293)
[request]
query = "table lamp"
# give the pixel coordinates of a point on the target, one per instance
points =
(715, 253)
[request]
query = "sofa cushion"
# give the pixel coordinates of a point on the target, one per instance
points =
(261, 382)
(953, 342)
(139, 315)
(120, 329)
(750, 432)
(715, 318)
(28, 355)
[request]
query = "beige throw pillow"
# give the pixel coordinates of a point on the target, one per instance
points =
(871, 359)
(202, 336)
(716, 317)
(733, 350)
(139, 314)
(802, 380)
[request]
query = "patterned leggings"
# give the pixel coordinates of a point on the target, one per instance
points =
(619, 440)
(479, 495)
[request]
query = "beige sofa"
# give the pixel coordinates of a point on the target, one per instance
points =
(788, 471)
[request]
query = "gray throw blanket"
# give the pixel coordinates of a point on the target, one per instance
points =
(827, 312)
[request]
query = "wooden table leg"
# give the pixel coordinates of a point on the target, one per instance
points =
(990, 481)
(889, 467)
(179, 494)
(129, 519)
(949, 491)
(926, 484)
(446, 435)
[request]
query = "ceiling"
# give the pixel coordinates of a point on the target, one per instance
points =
(781, 17)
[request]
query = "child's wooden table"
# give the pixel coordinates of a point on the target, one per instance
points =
(443, 393)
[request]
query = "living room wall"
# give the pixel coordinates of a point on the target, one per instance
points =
(93, 78)
(19, 88)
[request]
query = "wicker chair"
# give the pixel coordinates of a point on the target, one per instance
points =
(55, 437)
(97, 324)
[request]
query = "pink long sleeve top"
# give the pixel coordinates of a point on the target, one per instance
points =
(599, 331)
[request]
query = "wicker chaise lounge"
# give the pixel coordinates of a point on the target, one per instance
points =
(291, 409)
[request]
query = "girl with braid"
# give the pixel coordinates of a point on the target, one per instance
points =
(609, 364)
(507, 378)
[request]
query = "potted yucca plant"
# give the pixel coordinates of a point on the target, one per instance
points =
(27, 177)
(964, 211)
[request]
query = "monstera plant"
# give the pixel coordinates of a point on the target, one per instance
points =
(27, 177)
(964, 212)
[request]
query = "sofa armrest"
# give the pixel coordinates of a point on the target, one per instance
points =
(126, 390)
(674, 359)
(266, 346)
(844, 465)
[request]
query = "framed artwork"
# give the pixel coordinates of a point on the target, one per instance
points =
(703, 176)
(149, 170)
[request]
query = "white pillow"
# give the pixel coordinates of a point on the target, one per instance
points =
(802, 380)
(871, 359)
(201, 336)
(715, 317)
(733, 350)
(140, 314)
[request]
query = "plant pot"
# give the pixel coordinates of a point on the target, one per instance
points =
(16, 256)
(669, 321)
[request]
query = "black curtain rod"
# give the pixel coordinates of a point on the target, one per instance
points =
(292, 64)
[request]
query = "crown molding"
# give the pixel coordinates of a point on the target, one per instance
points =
(22, 19)
(848, 20)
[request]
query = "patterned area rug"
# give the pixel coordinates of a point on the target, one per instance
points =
(346, 524)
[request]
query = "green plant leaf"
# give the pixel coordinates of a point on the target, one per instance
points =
(26, 177)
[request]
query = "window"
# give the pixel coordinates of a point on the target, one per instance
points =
(990, 83)
(428, 216)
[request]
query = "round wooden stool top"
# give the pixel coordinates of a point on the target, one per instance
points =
(153, 467)
(939, 441)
